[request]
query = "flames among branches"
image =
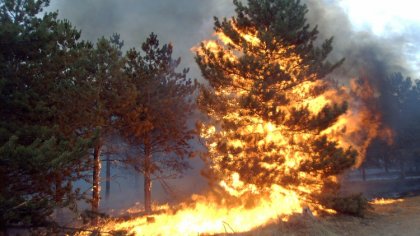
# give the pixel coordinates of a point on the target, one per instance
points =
(278, 127)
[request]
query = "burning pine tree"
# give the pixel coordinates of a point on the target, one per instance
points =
(277, 127)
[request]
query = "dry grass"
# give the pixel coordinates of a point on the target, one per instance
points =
(399, 218)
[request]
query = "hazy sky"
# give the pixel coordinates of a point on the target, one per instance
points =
(392, 24)
(185, 23)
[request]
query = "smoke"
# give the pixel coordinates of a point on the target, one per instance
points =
(186, 23)
(366, 54)
(370, 56)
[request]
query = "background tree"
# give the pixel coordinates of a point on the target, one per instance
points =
(263, 74)
(111, 97)
(157, 123)
(102, 94)
(399, 98)
(38, 161)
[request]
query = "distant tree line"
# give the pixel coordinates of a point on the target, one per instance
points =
(399, 102)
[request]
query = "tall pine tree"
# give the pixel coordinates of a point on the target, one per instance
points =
(157, 124)
(39, 162)
(268, 117)
(112, 91)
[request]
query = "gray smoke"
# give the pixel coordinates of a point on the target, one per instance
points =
(184, 23)
(366, 54)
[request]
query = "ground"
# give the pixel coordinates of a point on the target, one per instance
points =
(398, 218)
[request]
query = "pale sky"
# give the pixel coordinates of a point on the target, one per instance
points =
(389, 18)
(383, 17)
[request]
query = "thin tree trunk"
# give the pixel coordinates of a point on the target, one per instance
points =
(57, 196)
(386, 163)
(148, 171)
(147, 180)
(96, 177)
(402, 169)
(363, 173)
(108, 177)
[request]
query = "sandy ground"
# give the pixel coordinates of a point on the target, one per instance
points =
(399, 219)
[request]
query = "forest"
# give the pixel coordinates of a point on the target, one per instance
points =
(269, 118)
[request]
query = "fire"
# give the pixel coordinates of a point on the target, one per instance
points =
(259, 203)
(384, 201)
(205, 216)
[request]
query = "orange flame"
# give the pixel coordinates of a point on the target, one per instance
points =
(384, 201)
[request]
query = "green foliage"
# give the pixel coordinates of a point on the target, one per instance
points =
(61, 96)
(157, 121)
(38, 161)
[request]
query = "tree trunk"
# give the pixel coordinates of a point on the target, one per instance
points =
(58, 198)
(147, 193)
(108, 177)
(363, 173)
(386, 164)
(96, 176)
(402, 169)
(57, 195)
(147, 180)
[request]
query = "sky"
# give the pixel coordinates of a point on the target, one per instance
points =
(377, 37)
(393, 24)
(383, 17)
(389, 19)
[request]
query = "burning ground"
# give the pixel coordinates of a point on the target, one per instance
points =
(385, 217)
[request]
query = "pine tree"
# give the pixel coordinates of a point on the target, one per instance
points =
(38, 161)
(399, 97)
(101, 92)
(268, 123)
(157, 123)
(111, 97)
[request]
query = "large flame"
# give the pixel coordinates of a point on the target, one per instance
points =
(215, 213)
